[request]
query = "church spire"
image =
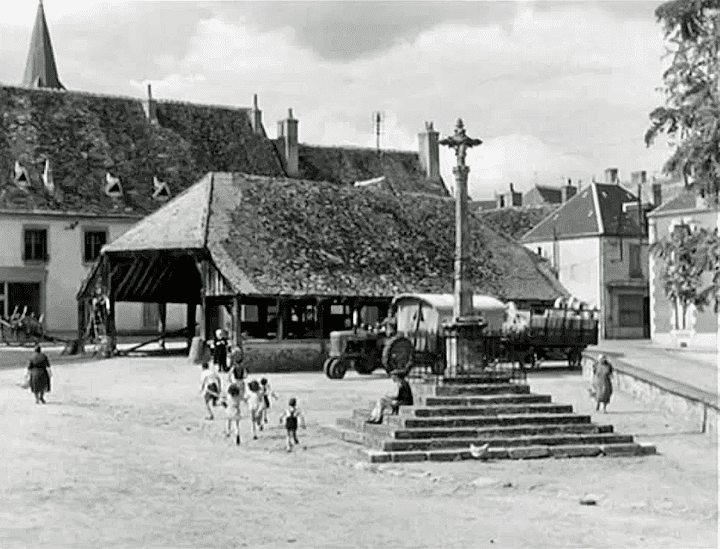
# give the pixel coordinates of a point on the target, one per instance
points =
(40, 70)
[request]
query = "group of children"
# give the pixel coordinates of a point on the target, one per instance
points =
(255, 395)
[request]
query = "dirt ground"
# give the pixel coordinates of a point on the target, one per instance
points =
(122, 457)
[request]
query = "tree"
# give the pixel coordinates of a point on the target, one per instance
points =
(687, 258)
(691, 114)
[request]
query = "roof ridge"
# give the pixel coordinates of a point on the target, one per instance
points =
(361, 148)
(101, 95)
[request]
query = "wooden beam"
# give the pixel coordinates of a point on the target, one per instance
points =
(134, 271)
(82, 320)
(237, 321)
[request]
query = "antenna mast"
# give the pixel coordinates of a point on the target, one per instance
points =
(378, 120)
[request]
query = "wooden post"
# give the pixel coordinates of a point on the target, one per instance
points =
(191, 312)
(162, 310)
(111, 331)
(201, 265)
(280, 305)
(237, 321)
(82, 320)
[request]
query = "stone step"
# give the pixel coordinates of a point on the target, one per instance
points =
(477, 379)
(565, 439)
(397, 422)
(527, 452)
(465, 432)
(487, 410)
(490, 399)
(482, 389)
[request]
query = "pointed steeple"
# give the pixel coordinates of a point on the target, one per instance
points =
(40, 69)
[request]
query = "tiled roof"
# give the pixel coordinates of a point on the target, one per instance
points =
(86, 135)
(345, 165)
(515, 222)
(596, 210)
(686, 200)
(274, 236)
(478, 205)
(551, 195)
(179, 225)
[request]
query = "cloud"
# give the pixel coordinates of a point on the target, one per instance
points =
(563, 90)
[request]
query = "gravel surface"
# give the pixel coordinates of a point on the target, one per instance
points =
(122, 457)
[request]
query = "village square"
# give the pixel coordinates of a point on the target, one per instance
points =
(213, 335)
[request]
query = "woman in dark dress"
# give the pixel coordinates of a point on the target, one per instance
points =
(220, 350)
(39, 375)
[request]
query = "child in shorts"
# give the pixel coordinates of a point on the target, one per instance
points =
(234, 399)
(266, 392)
(255, 405)
(209, 388)
(290, 419)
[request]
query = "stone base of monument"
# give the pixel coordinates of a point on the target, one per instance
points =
(483, 417)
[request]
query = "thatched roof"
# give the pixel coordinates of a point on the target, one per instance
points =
(274, 236)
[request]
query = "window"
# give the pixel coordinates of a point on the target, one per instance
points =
(94, 241)
(250, 313)
(630, 311)
(635, 261)
(35, 245)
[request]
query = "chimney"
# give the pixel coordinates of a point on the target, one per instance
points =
(256, 117)
(657, 194)
(288, 141)
(567, 191)
(429, 151)
(638, 178)
(611, 176)
(515, 198)
(150, 107)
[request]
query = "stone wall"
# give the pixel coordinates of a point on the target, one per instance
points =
(285, 356)
(666, 395)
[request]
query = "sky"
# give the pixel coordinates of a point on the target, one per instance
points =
(555, 90)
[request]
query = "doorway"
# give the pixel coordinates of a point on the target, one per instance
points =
(24, 294)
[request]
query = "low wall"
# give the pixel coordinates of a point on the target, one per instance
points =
(285, 356)
(667, 395)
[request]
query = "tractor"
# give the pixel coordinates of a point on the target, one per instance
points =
(365, 350)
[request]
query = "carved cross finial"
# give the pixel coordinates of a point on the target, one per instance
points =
(460, 142)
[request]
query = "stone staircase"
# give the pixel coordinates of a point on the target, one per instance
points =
(483, 416)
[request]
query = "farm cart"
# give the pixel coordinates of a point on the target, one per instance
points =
(415, 339)
(24, 329)
(557, 334)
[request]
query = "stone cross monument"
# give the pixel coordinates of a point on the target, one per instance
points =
(458, 352)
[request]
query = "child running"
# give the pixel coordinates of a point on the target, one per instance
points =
(234, 398)
(209, 388)
(290, 418)
(255, 404)
(266, 392)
